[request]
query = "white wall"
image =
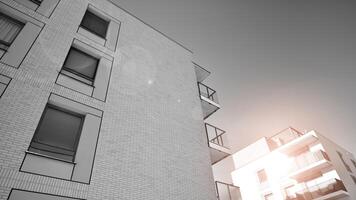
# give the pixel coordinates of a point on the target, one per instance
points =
(331, 149)
(222, 170)
(251, 153)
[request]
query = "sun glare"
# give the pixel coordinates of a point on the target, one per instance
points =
(278, 165)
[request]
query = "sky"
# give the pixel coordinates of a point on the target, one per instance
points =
(274, 64)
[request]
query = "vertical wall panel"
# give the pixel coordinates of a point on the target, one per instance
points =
(22, 44)
(112, 35)
(86, 149)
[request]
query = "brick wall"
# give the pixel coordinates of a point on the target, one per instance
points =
(152, 143)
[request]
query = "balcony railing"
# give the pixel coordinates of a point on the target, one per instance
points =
(306, 159)
(227, 191)
(216, 135)
(319, 190)
(200, 72)
(283, 137)
(208, 93)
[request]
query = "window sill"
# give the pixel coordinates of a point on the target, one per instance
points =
(50, 157)
(36, 2)
(92, 32)
(31, 4)
(4, 46)
(77, 78)
(91, 36)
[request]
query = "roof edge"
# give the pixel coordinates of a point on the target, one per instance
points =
(128, 12)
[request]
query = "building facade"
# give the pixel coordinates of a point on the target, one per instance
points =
(97, 104)
(217, 139)
(295, 166)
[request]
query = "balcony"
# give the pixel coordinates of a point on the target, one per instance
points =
(209, 100)
(200, 72)
(329, 190)
(309, 164)
(207, 95)
(217, 142)
(226, 191)
(290, 140)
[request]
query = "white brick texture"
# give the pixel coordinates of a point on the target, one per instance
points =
(152, 144)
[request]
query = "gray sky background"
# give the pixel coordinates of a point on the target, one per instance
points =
(274, 63)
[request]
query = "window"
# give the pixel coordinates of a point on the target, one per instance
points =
(99, 27)
(81, 66)
(269, 196)
(343, 161)
(86, 70)
(58, 133)
(95, 24)
(353, 178)
(64, 143)
(9, 29)
(18, 32)
(262, 176)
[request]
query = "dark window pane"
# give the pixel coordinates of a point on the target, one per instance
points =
(38, 2)
(57, 133)
(81, 63)
(9, 29)
(95, 24)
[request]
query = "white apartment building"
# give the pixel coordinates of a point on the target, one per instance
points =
(295, 166)
(97, 104)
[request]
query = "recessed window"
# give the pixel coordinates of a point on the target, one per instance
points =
(95, 24)
(18, 32)
(262, 176)
(81, 66)
(65, 141)
(58, 133)
(9, 29)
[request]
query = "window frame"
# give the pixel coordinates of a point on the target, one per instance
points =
(89, 79)
(79, 131)
(107, 23)
(264, 175)
(15, 21)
